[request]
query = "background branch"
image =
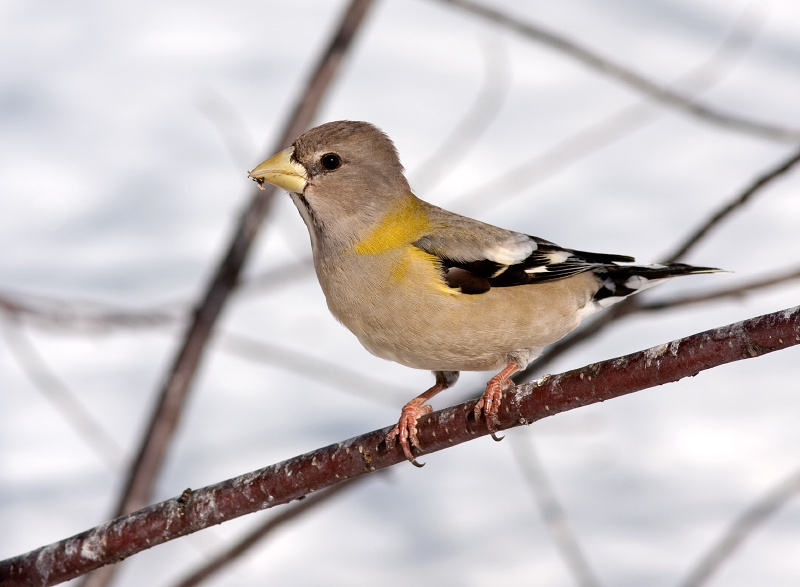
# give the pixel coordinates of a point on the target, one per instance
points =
(628, 77)
(610, 129)
(736, 291)
(164, 420)
(632, 304)
(741, 529)
(60, 395)
(553, 514)
(256, 536)
(296, 477)
(760, 182)
(150, 456)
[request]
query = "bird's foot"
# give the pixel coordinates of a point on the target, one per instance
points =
(406, 429)
(493, 396)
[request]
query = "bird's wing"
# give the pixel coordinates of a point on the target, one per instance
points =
(477, 256)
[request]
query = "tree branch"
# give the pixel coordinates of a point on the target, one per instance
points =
(252, 538)
(587, 141)
(744, 525)
(60, 395)
(763, 180)
(736, 291)
(474, 123)
(632, 304)
(175, 389)
(629, 77)
(304, 474)
(554, 516)
(164, 420)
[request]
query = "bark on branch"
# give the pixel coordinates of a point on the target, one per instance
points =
(304, 474)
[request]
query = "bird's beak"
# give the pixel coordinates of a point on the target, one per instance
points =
(280, 170)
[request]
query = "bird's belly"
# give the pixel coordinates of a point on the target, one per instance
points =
(414, 319)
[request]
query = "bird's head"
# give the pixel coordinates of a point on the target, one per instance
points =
(342, 175)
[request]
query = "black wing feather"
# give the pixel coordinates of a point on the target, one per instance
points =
(547, 263)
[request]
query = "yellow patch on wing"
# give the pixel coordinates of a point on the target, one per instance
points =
(403, 225)
(422, 267)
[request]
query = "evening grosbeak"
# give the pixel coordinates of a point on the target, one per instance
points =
(428, 288)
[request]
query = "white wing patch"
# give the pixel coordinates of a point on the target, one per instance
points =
(553, 258)
(513, 251)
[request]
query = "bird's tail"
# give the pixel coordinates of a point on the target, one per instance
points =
(621, 281)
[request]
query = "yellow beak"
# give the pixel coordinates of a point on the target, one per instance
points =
(280, 170)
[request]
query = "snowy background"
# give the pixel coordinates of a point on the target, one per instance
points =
(126, 130)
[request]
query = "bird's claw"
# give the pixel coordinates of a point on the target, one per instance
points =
(405, 431)
(489, 404)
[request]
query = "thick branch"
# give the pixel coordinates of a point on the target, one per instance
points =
(629, 77)
(253, 538)
(299, 476)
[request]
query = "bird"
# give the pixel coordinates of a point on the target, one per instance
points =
(431, 289)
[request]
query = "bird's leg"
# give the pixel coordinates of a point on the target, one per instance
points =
(490, 400)
(406, 428)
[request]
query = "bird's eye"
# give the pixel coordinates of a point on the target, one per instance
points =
(331, 161)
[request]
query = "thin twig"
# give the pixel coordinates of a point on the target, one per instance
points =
(628, 77)
(61, 314)
(554, 516)
(175, 389)
(277, 277)
(760, 182)
(587, 141)
(60, 396)
(485, 108)
(72, 314)
(79, 314)
(325, 467)
(230, 125)
(741, 529)
(736, 291)
(631, 305)
(253, 538)
(164, 419)
(327, 372)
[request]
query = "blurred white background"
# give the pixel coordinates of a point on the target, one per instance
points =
(126, 130)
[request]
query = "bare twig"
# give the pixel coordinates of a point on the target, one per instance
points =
(231, 127)
(327, 372)
(485, 108)
(254, 537)
(553, 514)
(79, 314)
(280, 276)
(763, 180)
(589, 140)
(325, 467)
(629, 77)
(60, 396)
(164, 419)
(93, 316)
(737, 291)
(632, 304)
(741, 529)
